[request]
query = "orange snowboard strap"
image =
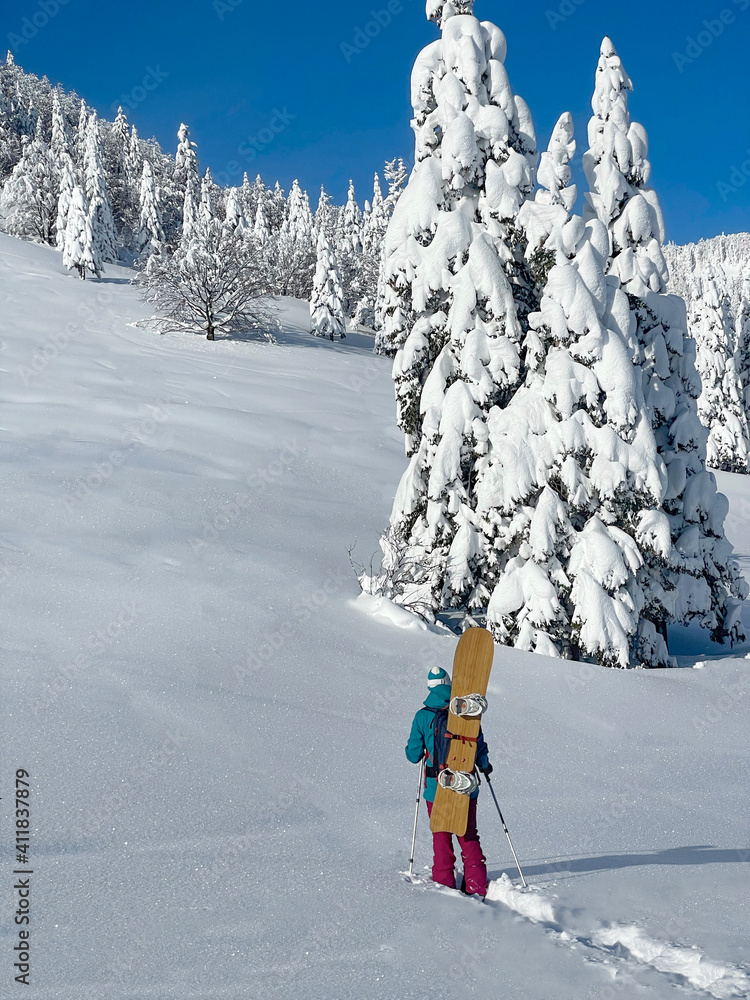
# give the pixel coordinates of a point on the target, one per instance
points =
(463, 739)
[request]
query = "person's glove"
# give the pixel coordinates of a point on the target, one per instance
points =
(486, 771)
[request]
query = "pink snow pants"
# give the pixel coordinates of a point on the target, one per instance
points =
(475, 867)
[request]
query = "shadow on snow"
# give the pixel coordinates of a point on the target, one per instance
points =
(695, 855)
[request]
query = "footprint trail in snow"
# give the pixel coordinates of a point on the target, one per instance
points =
(627, 945)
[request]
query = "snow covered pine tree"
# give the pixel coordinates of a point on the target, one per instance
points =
(80, 250)
(455, 323)
(187, 181)
(696, 578)
(573, 478)
(349, 247)
(327, 302)
(743, 342)
(95, 181)
(150, 237)
(721, 405)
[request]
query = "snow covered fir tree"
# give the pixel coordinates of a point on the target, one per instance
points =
(721, 404)
(327, 302)
(544, 379)
(618, 172)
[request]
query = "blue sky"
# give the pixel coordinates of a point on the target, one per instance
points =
(330, 107)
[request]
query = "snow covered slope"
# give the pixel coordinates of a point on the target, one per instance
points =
(214, 726)
(730, 252)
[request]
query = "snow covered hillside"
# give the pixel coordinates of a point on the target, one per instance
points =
(214, 725)
(730, 253)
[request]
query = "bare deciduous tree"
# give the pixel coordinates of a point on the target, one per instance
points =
(216, 283)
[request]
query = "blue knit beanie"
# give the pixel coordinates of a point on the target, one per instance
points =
(438, 676)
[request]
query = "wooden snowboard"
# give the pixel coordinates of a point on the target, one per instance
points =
(471, 673)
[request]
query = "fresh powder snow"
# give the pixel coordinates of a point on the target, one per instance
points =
(214, 722)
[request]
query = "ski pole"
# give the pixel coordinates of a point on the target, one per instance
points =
(515, 857)
(416, 817)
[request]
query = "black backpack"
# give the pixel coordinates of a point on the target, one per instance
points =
(442, 741)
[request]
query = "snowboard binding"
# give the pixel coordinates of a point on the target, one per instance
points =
(470, 706)
(462, 782)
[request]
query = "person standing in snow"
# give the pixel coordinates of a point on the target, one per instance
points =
(421, 742)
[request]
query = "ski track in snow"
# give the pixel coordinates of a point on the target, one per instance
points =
(626, 944)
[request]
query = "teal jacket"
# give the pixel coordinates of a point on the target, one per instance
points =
(422, 737)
